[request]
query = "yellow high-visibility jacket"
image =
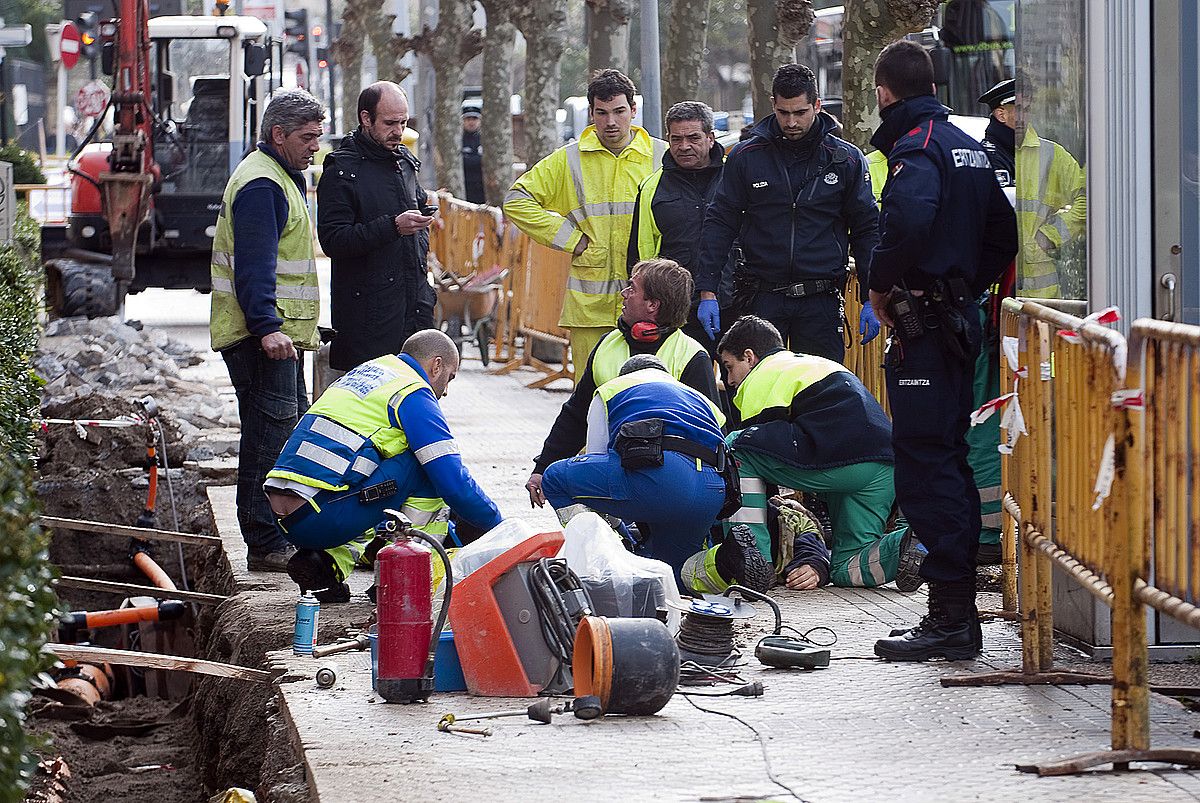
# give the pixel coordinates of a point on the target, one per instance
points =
(877, 166)
(583, 188)
(1052, 200)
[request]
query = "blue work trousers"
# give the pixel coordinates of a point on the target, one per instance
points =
(271, 398)
(931, 394)
(674, 504)
(334, 518)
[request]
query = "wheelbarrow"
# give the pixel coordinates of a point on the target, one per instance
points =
(466, 309)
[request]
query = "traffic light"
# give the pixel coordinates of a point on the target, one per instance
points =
(296, 30)
(88, 24)
(323, 57)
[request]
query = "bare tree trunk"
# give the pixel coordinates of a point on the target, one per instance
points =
(608, 34)
(348, 53)
(775, 26)
(544, 26)
(686, 37)
(453, 44)
(388, 48)
(867, 28)
(496, 134)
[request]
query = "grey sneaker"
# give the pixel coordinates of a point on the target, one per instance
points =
(912, 555)
(757, 574)
(276, 561)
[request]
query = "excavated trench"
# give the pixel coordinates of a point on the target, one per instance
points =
(160, 736)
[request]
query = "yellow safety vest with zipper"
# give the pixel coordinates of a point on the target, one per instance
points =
(297, 298)
(1052, 201)
(349, 430)
(675, 352)
(877, 166)
(778, 379)
(584, 188)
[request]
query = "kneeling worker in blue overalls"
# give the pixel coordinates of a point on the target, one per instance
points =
(375, 439)
(654, 455)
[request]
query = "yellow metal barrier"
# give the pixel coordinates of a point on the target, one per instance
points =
(1078, 482)
(865, 361)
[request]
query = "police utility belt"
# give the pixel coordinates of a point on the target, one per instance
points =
(640, 444)
(809, 287)
(939, 310)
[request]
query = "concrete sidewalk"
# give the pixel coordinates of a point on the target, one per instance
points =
(862, 729)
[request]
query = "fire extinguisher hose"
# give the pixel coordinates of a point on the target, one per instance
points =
(448, 585)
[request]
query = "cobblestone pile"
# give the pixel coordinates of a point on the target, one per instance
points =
(105, 359)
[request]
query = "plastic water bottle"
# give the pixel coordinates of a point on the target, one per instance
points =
(308, 610)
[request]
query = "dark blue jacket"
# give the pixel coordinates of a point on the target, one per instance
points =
(796, 207)
(943, 215)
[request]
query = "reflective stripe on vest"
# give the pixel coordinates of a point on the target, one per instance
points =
(297, 298)
(776, 380)
(649, 237)
(675, 352)
(1051, 199)
(349, 429)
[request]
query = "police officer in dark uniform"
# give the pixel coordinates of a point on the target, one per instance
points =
(472, 152)
(946, 232)
(1000, 140)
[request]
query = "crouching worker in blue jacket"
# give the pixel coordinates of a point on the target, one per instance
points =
(375, 439)
(654, 456)
(811, 425)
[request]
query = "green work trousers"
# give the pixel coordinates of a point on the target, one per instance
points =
(983, 441)
(860, 499)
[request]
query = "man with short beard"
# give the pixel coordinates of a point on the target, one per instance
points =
(373, 221)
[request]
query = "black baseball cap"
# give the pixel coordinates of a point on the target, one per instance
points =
(1002, 93)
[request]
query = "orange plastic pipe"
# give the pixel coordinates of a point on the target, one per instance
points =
(164, 611)
(153, 571)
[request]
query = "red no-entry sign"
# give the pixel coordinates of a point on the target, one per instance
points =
(68, 45)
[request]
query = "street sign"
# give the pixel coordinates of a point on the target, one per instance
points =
(16, 35)
(69, 45)
(91, 99)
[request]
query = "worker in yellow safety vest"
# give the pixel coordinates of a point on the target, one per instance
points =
(265, 304)
(580, 199)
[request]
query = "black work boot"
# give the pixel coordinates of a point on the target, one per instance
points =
(752, 570)
(313, 570)
(908, 569)
(950, 630)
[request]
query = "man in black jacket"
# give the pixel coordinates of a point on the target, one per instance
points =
(797, 198)
(672, 201)
(373, 222)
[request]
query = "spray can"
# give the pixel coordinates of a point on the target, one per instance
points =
(304, 638)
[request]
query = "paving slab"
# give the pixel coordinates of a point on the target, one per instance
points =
(862, 729)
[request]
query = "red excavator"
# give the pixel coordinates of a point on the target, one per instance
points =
(188, 93)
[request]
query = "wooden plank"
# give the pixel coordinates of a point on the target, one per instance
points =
(129, 589)
(78, 652)
(123, 531)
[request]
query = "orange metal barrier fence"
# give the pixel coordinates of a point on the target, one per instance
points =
(1088, 479)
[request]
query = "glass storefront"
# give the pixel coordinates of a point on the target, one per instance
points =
(1051, 149)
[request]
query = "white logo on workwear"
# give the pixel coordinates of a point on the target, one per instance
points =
(917, 382)
(831, 178)
(965, 157)
(758, 185)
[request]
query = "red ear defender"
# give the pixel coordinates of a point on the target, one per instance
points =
(646, 332)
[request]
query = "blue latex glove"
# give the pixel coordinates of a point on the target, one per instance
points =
(709, 313)
(868, 324)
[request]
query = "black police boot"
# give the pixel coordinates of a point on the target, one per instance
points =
(313, 570)
(950, 630)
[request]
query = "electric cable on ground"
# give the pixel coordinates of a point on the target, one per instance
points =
(174, 513)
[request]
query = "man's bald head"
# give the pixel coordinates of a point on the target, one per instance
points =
(437, 356)
(383, 113)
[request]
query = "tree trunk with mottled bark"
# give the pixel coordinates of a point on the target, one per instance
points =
(452, 45)
(608, 34)
(775, 26)
(496, 133)
(348, 54)
(543, 23)
(686, 37)
(867, 28)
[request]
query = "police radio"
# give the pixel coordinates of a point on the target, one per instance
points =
(903, 307)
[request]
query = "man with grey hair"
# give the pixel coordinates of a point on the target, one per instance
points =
(672, 201)
(265, 304)
(373, 221)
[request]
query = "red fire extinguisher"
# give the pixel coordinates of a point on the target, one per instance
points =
(407, 638)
